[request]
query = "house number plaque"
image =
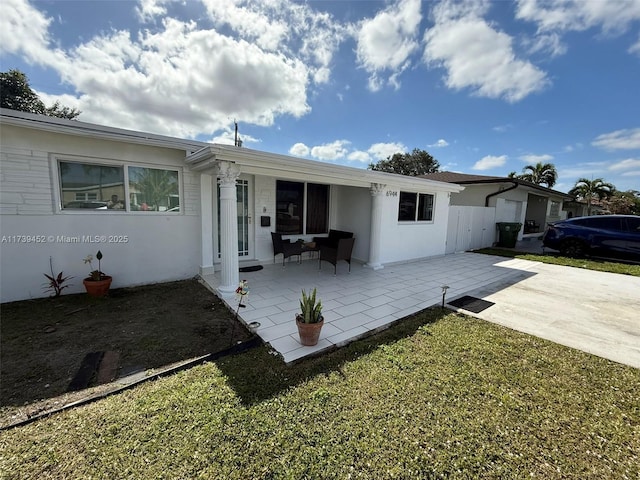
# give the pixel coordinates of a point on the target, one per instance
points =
(391, 193)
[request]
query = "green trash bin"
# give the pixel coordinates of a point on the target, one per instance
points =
(508, 233)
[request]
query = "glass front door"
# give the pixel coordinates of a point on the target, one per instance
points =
(244, 218)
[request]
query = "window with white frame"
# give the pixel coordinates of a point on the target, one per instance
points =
(415, 207)
(118, 187)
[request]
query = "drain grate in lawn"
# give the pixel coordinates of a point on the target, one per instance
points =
(471, 304)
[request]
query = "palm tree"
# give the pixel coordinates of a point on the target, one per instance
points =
(540, 173)
(587, 190)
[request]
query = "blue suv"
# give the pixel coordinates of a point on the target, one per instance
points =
(599, 236)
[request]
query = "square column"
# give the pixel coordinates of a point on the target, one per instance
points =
(206, 219)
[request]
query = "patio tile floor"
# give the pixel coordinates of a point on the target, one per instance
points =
(363, 301)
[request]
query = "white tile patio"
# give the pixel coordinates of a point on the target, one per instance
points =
(363, 301)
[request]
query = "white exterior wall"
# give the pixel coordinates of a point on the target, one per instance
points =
(159, 246)
(354, 215)
(474, 195)
(402, 241)
(350, 210)
(265, 196)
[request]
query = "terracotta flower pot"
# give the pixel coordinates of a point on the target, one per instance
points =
(309, 332)
(97, 288)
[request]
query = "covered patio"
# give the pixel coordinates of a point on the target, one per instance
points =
(361, 302)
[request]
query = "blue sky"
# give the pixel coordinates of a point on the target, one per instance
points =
(485, 87)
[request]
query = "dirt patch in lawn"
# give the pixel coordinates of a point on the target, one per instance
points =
(44, 341)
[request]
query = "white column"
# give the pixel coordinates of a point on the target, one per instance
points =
(377, 191)
(206, 219)
(230, 277)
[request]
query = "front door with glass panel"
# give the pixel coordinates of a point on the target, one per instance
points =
(245, 226)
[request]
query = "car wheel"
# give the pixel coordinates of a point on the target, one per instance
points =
(573, 248)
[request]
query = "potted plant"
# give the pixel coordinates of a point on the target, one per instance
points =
(310, 321)
(97, 283)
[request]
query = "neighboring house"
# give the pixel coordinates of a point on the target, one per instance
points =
(162, 208)
(578, 208)
(487, 200)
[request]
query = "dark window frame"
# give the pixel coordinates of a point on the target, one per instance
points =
(302, 208)
(414, 207)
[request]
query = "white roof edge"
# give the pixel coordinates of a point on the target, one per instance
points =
(260, 159)
(199, 151)
(92, 130)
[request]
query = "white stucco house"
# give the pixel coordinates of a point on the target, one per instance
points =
(162, 208)
(488, 200)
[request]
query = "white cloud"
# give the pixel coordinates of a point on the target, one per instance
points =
(381, 151)
(178, 79)
(477, 56)
(225, 138)
(148, 10)
(626, 139)
(571, 148)
(533, 159)
(439, 144)
(578, 15)
(489, 162)
(291, 28)
(628, 164)
(359, 156)
(635, 48)
(267, 31)
(552, 16)
(550, 44)
(228, 137)
(299, 150)
(502, 128)
(386, 42)
(24, 29)
(331, 151)
(580, 171)
(65, 100)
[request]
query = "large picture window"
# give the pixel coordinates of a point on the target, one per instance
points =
(118, 187)
(415, 207)
(91, 186)
(291, 215)
(153, 189)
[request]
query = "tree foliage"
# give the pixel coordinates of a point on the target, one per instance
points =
(540, 174)
(16, 94)
(418, 162)
(624, 203)
(589, 190)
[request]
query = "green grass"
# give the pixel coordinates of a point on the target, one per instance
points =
(589, 264)
(437, 396)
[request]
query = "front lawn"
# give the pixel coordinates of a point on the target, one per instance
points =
(439, 395)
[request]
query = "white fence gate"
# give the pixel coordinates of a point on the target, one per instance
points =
(470, 228)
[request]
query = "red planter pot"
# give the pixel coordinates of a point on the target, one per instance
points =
(97, 288)
(309, 332)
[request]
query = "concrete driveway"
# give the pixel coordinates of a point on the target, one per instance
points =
(595, 312)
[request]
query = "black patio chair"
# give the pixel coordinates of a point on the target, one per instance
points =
(342, 251)
(284, 247)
